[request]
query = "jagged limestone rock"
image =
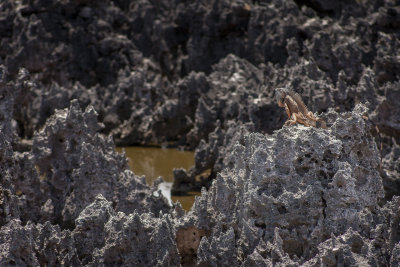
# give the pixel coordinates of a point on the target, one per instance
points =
(77, 163)
(300, 183)
(104, 236)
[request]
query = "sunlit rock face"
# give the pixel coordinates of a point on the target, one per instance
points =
(199, 75)
(293, 190)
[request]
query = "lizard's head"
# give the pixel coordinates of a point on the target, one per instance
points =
(280, 94)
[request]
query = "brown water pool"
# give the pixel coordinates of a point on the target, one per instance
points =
(153, 162)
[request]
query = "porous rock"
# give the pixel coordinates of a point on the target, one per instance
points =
(390, 169)
(104, 236)
(294, 188)
(200, 75)
(77, 163)
(147, 68)
(6, 129)
(35, 245)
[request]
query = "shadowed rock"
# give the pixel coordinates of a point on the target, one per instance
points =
(77, 163)
(199, 75)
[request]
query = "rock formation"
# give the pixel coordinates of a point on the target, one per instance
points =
(78, 77)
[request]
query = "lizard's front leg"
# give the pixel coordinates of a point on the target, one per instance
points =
(290, 122)
(289, 114)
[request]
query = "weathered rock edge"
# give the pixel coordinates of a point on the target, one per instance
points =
(301, 196)
(174, 72)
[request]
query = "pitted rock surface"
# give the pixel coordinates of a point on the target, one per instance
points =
(77, 163)
(199, 76)
(104, 236)
(296, 187)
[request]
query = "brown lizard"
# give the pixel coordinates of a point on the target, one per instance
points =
(296, 109)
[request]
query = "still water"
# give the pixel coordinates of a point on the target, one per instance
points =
(154, 162)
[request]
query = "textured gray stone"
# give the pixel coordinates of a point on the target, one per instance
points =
(199, 75)
(36, 245)
(301, 196)
(106, 237)
(299, 186)
(77, 164)
(133, 67)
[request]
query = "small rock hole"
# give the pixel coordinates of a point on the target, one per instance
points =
(356, 247)
(282, 209)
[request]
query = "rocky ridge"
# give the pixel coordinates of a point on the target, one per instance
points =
(77, 76)
(301, 196)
